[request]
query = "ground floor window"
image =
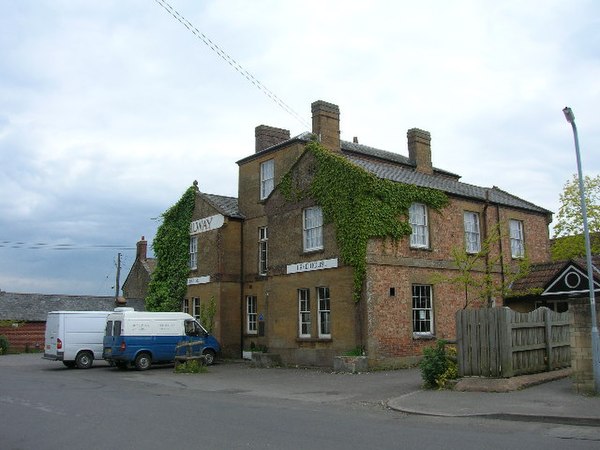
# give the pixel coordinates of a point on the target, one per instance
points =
(304, 322)
(422, 314)
(324, 312)
(185, 307)
(251, 315)
(196, 308)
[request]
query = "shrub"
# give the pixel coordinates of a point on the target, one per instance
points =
(4, 344)
(438, 365)
(191, 366)
(356, 351)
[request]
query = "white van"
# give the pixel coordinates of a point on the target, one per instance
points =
(75, 337)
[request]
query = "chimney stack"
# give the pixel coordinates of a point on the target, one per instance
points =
(419, 149)
(326, 124)
(267, 136)
(142, 248)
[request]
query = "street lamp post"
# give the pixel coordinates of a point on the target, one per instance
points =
(588, 253)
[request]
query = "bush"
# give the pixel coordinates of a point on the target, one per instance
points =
(191, 366)
(4, 344)
(438, 365)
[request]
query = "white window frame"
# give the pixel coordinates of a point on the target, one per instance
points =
(263, 239)
(193, 262)
(417, 218)
(304, 319)
(267, 178)
(312, 228)
(324, 302)
(185, 307)
(196, 308)
(422, 310)
(472, 232)
(251, 314)
(517, 241)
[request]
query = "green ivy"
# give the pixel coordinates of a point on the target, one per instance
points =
(168, 285)
(359, 204)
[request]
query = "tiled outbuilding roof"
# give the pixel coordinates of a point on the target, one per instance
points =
(35, 307)
(541, 275)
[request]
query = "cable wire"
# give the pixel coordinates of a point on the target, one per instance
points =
(232, 62)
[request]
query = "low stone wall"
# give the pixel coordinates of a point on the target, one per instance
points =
(581, 345)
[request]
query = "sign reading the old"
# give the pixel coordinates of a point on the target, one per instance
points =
(207, 224)
(198, 280)
(312, 265)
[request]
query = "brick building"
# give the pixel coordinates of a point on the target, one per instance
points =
(274, 269)
(135, 286)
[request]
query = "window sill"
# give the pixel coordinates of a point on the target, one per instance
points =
(423, 337)
(311, 339)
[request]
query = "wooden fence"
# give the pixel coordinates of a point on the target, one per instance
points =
(500, 342)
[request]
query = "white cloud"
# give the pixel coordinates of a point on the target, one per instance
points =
(112, 109)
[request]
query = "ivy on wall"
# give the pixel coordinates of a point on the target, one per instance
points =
(168, 285)
(359, 204)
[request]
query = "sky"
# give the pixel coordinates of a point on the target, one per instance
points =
(110, 110)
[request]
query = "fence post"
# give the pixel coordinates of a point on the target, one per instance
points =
(504, 320)
(548, 326)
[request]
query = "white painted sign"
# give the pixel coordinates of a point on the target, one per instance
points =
(207, 224)
(198, 280)
(312, 265)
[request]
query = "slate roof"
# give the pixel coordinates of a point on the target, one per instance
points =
(399, 168)
(35, 307)
(228, 206)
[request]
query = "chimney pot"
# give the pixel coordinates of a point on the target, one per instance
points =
(326, 124)
(267, 136)
(142, 249)
(419, 149)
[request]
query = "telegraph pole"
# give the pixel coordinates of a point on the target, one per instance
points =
(118, 278)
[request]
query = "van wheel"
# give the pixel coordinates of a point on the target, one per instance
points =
(209, 356)
(84, 360)
(69, 364)
(143, 361)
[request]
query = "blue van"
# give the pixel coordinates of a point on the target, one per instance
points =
(143, 338)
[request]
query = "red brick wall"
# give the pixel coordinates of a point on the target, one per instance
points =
(25, 336)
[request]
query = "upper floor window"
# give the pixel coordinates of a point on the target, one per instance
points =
(313, 228)
(267, 178)
(417, 218)
(262, 250)
(193, 252)
(517, 242)
(472, 234)
(422, 309)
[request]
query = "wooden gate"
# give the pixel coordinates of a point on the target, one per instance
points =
(500, 342)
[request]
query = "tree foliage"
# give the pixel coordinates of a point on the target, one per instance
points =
(477, 272)
(568, 231)
(360, 205)
(171, 247)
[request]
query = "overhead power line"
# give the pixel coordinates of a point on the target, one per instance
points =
(231, 61)
(58, 246)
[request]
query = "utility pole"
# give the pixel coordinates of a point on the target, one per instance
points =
(118, 278)
(588, 254)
